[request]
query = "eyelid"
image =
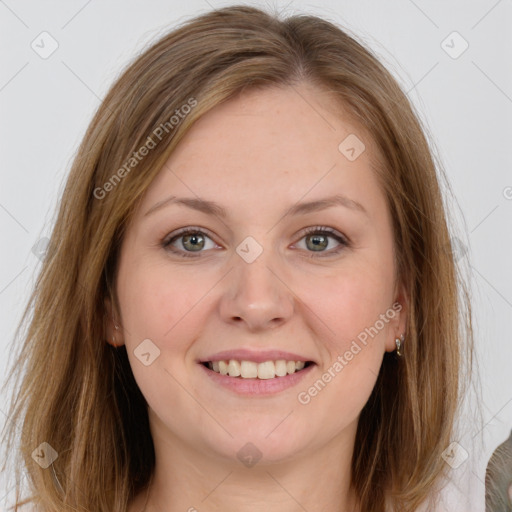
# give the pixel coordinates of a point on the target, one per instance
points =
(186, 230)
(326, 229)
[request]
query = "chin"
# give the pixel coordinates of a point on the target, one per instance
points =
(256, 446)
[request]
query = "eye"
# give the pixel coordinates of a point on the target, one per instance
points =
(193, 240)
(317, 239)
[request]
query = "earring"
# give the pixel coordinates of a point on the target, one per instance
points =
(116, 327)
(399, 342)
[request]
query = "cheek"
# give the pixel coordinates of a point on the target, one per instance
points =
(356, 304)
(352, 299)
(163, 307)
(157, 303)
(350, 305)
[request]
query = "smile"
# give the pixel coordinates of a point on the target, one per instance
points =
(252, 370)
(262, 379)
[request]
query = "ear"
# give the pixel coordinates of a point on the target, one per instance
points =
(398, 325)
(113, 331)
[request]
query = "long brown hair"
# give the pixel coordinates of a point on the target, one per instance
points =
(78, 393)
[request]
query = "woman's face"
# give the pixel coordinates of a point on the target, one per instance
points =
(275, 269)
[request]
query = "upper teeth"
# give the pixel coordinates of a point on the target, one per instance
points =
(252, 370)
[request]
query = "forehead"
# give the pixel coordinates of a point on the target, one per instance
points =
(283, 141)
(289, 121)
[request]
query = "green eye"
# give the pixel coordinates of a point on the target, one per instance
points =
(317, 239)
(194, 240)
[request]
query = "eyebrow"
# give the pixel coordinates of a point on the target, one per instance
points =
(212, 208)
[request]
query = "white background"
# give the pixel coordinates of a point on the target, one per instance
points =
(465, 103)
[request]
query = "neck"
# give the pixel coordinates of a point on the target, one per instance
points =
(189, 480)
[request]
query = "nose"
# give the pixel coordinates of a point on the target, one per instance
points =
(257, 294)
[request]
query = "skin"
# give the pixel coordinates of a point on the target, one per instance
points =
(256, 155)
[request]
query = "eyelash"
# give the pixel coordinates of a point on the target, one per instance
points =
(322, 230)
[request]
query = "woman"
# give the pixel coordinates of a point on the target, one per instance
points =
(249, 299)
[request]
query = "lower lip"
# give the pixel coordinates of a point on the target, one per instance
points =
(257, 387)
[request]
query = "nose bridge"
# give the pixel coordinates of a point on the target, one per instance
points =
(256, 294)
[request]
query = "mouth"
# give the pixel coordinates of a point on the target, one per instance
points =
(265, 370)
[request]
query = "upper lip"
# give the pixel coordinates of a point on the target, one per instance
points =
(257, 356)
